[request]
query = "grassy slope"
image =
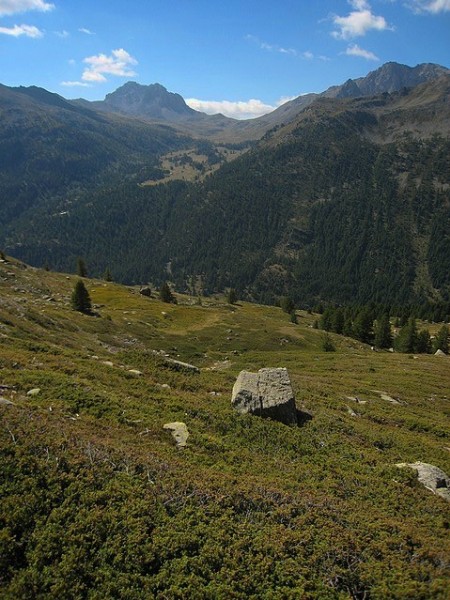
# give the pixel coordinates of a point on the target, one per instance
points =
(251, 509)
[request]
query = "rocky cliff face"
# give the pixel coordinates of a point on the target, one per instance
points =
(150, 101)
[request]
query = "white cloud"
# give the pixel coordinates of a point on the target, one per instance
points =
(86, 31)
(11, 7)
(248, 109)
(358, 22)
(355, 50)
(74, 84)
(271, 47)
(19, 30)
(118, 64)
(431, 6)
(62, 34)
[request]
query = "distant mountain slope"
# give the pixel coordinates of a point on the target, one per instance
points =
(153, 102)
(349, 202)
(49, 145)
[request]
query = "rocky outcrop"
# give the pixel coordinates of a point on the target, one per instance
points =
(433, 478)
(179, 431)
(267, 393)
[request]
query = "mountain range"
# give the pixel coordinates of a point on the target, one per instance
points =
(341, 196)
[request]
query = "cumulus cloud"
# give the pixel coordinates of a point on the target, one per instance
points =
(248, 109)
(430, 6)
(19, 30)
(11, 7)
(355, 50)
(118, 63)
(358, 22)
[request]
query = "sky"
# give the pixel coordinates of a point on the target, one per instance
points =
(242, 58)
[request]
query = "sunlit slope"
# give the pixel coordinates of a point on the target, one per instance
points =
(98, 502)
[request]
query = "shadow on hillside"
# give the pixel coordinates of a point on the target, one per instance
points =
(303, 417)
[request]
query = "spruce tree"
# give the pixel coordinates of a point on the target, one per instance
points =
(406, 340)
(80, 298)
(383, 333)
(231, 296)
(362, 327)
(287, 304)
(423, 344)
(441, 340)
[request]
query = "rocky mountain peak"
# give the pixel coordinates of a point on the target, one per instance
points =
(151, 101)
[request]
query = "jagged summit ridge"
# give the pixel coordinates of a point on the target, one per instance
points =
(390, 77)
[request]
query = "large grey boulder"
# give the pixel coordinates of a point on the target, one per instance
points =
(179, 431)
(267, 393)
(433, 478)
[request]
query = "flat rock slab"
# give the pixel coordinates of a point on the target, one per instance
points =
(267, 393)
(179, 431)
(433, 478)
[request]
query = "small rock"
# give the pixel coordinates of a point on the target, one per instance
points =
(6, 402)
(439, 352)
(34, 392)
(135, 371)
(108, 363)
(433, 478)
(179, 431)
(164, 386)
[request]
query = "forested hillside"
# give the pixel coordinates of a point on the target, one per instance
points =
(349, 203)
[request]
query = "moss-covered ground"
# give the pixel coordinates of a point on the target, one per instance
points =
(97, 502)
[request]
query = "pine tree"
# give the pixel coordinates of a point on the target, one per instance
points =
(441, 340)
(107, 275)
(362, 327)
(423, 344)
(231, 296)
(406, 341)
(80, 298)
(383, 333)
(287, 304)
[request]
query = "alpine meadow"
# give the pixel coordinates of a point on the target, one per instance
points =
(224, 342)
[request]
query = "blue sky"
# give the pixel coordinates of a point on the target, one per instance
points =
(239, 57)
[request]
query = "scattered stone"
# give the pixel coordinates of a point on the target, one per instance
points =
(34, 392)
(135, 371)
(267, 393)
(6, 402)
(433, 478)
(180, 366)
(164, 386)
(385, 396)
(214, 393)
(146, 291)
(439, 352)
(179, 431)
(108, 363)
(351, 412)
